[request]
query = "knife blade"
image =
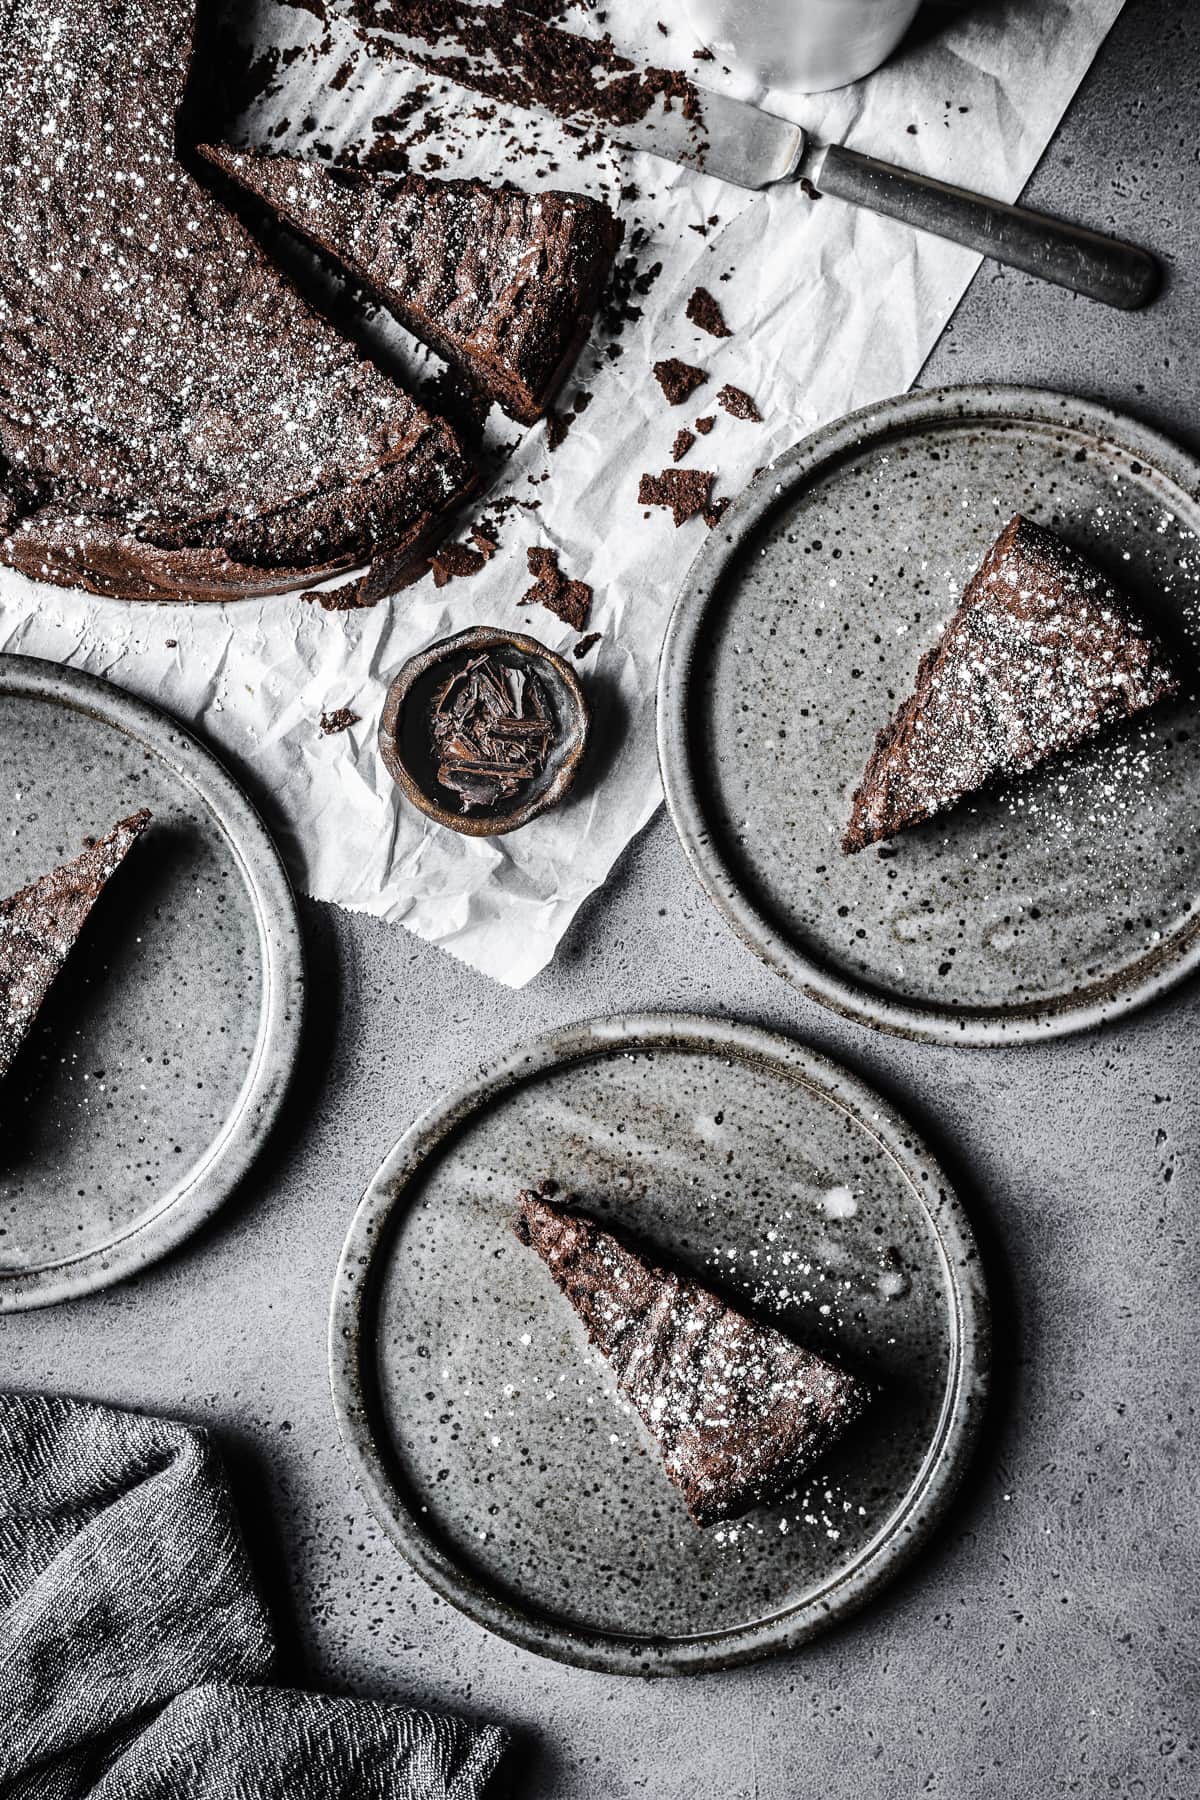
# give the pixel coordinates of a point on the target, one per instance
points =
(739, 143)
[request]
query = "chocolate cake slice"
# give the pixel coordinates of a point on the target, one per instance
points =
(737, 1410)
(175, 421)
(39, 926)
(502, 284)
(1042, 652)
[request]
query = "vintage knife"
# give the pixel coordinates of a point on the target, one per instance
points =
(742, 144)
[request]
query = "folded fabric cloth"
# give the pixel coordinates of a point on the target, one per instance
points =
(134, 1647)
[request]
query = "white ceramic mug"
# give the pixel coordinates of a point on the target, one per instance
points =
(805, 45)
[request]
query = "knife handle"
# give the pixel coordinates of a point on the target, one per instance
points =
(1087, 262)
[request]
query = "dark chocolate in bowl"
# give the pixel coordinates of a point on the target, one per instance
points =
(406, 738)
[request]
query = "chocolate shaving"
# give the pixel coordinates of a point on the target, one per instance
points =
(704, 311)
(678, 380)
(739, 405)
(568, 600)
(684, 439)
(585, 644)
(490, 730)
(704, 426)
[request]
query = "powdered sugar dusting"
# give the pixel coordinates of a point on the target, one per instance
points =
(738, 1410)
(170, 409)
(1043, 652)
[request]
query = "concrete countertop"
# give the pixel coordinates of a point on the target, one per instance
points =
(1047, 1644)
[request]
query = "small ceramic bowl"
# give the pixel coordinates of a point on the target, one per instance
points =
(409, 755)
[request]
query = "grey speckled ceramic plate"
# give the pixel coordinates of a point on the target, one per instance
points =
(161, 1056)
(1047, 905)
(489, 1437)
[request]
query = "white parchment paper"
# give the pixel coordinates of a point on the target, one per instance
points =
(830, 308)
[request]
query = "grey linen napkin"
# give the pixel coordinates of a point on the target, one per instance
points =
(134, 1648)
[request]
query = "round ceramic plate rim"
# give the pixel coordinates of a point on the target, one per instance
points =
(236, 1142)
(978, 403)
(916, 1516)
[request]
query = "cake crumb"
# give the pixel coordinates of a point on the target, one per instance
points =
(568, 600)
(678, 380)
(684, 492)
(738, 404)
(455, 559)
(340, 719)
(705, 312)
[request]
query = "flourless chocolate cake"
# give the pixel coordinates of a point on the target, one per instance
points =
(738, 1411)
(1042, 653)
(502, 284)
(40, 924)
(174, 419)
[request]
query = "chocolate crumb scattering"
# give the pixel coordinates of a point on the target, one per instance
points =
(705, 312)
(491, 731)
(568, 600)
(39, 926)
(684, 492)
(340, 719)
(678, 380)
(738, 404)
(737, 1410)
(705, 425)
(512, 55)
(684, 439)
(455, 559)
(585, 644)
(559, 423)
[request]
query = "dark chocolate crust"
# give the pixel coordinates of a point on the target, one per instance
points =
(503, 284)
(39, 926)
(737, 1410)
(1042, 653)
(175, 422)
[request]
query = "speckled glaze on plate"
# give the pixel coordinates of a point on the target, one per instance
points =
(488, 1436)
(160, 1059)
(1048, 904)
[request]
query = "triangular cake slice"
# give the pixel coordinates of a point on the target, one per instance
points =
(1042, 652)
(502, 284)
(39, 926)
(737, 1410)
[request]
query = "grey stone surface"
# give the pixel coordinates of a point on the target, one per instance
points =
(1048, 1643)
